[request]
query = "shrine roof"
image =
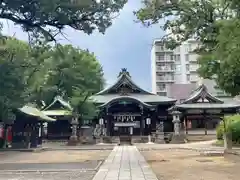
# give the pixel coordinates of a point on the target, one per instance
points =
(201, 93)
(32, 111)
(63, 103)
(57, 112)
(207, 106)
(125, 87)
(123, 78)
(202, 99)
(146, 98)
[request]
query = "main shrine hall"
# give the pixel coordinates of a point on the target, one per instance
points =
(126, 108)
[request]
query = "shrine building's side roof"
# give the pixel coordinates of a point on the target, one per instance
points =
(207, 106)
(125, 87)
(58, 99)
(58, 107)
(32, 111)
(202, 99)
(201, 94)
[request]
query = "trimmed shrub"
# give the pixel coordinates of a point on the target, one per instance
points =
(235, 128)
(232, 126)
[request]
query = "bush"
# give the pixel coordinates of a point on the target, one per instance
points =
(232, 126)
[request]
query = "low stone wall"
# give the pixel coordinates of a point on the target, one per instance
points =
(200, 137)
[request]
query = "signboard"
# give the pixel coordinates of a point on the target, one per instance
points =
(119, 124)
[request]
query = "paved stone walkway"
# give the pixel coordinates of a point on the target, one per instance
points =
(125, 163)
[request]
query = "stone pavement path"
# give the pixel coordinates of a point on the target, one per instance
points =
(125, 163)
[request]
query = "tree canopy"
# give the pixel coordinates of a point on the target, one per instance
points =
(13, 91)
(50, 17)
(40, 72)
(214, 23)
(75, 75)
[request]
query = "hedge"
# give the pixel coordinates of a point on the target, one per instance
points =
(232, 126)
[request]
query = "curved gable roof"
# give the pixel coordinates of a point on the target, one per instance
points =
(61, 101)
(202, 93)
(123, 79)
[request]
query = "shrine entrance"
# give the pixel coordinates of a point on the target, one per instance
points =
(125, 135)
(124, 131)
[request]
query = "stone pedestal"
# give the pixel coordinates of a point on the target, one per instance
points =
(99, 140)
(150, 140)
(178, 139)
(159, 138)
(227, 139)
(73, 141)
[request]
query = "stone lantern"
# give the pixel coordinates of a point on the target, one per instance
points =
(177, 136)
(74, 139)
(176, 122)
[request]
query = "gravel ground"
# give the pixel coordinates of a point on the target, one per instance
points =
(51, 165)
(60, 156)
(187, 164)
(84, 175)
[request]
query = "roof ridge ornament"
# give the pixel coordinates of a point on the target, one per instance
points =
(124, 71)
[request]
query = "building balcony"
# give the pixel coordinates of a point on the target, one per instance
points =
(161, 89)
(166, 61)
(193, 70)
(166, 80)
(193, 57)
(165, 70)
(193, 80)
(162, 49)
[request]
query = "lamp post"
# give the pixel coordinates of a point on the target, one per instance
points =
(148, 122)
(101, 122)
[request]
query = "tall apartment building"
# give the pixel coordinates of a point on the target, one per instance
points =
(178, 66)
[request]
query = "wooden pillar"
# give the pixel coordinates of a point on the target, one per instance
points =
(108, 125)
(186, 124)
(205, 122)
(107, 117)
(141, 124)
(40, 133)
(154, 120)
(141, 121)
(34, 136)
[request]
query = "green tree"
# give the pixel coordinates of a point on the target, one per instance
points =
(186, 19)
(74, 74)
(13, 89)
(50, 17)
(214, 23)
(223, 63)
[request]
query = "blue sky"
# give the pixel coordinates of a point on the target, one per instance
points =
(126, 44)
